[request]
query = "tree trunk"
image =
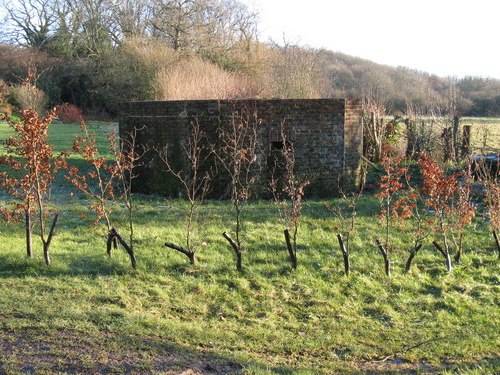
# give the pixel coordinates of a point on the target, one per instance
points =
(109, 241)
(127, 248)
(445, 254)
(497, 240)
(237, 250)
(345, 254)
(291, 251)
(413, 252)
(46, 243)
(190, 254)
(29, 239)
(46, 255)
(385, 254)
(456, 143)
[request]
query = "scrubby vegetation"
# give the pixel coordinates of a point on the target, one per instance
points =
(97, 54)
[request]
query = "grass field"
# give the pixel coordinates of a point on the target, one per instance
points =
(485, 133)
(88, 313)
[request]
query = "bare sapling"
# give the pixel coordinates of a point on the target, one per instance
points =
(288, 193)
(96, 182)
(493, 202)
(439, 191)
(31, 169)
(237, 154)
(345, 216)
(408, 206)
(128, 154)
(462, 211)
(195, 184)
(390, 186)
(345, 228)
(488, 175)
(374, 124)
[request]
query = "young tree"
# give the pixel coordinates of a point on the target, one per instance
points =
(408, 206)
(195, 184)
(374, 124)
(345, 219)
(488, 173)
(492, 195)
(32, 167)
(462, 211)
(127, 157)
(288, 192)
(238, 157)
(390, 186)
(97, 183)
(439, 191)
(108, 181)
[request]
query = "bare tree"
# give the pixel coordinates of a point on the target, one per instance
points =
(374, 123)
(128, 155)
(294, 72)
(237, 154)
(202, 25)
(420, 134)
(195, 184)
(30, 22)
(288, 192)
(345, 219)
(97, 183)
(32, 167)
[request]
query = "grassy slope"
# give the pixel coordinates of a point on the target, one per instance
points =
(88, 313)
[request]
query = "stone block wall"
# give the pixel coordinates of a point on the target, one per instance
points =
(326, 134)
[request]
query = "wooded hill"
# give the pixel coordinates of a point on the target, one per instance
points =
(98, 53)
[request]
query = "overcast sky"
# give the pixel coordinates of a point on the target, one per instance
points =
(444, 37)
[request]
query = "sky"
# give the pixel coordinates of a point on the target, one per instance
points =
(443, 37)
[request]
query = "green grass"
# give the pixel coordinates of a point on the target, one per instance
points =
(61, 136)
(485, 133)
(88, 313)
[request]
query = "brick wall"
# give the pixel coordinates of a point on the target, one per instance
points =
(326, 133)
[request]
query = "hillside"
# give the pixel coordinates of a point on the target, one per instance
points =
(97, 54)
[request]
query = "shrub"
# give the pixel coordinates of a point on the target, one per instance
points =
(69, 113)
(5, 107)
(29, 97)
(194, 78)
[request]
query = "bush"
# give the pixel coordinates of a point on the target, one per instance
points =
(5, 107)
(193, 78)
(29, 97)
(69, 113)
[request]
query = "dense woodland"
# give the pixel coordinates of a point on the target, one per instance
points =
(96, 54)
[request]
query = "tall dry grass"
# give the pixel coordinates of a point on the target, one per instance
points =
(27, 97)
(193, 78)
(257, 71)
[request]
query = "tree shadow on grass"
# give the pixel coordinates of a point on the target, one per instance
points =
(71, 351)
(14, 265)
